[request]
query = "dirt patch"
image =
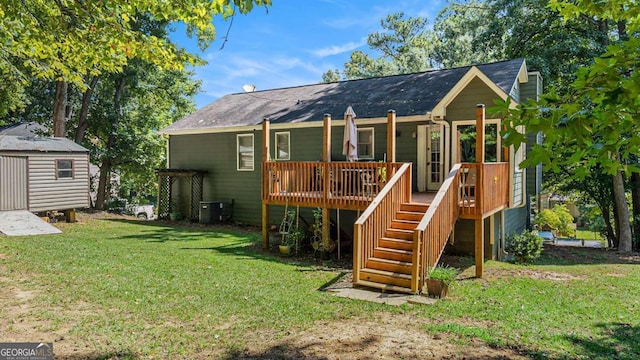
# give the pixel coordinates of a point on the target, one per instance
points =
(585, 255)
(390, 336)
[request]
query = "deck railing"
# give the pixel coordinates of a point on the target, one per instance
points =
(433, 231)
(373, 222)
(340, 185)
(484, 188)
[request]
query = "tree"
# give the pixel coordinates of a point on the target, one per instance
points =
(596, 121)
(403, 46)
(127, 110)
(456, 31)
(67, 40)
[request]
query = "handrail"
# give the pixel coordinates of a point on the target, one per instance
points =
(433, 231)
(376, 218)
(484, 188)
(343, 185)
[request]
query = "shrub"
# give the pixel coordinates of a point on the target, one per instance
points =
(558, 219)
(525, 247)
(443, 273)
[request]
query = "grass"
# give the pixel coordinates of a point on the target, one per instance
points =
(125, 289)
(588, 235)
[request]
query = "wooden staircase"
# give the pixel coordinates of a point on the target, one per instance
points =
(390, 265)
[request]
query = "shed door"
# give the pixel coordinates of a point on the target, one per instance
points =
(13, 183)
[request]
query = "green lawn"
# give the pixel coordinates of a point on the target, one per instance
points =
(588, 235)
(125, 289)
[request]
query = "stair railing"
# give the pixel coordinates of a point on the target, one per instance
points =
(375, 219)
(433, 231)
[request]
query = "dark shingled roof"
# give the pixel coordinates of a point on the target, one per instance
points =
(23, 129)
(410, 94)
(40, 144)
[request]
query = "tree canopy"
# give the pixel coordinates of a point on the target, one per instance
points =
(594, 125)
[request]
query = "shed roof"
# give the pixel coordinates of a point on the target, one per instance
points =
(23, 129)
(408, 94)
(38, 144)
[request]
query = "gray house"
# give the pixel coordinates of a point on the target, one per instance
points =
(42, 173)
(433, 128)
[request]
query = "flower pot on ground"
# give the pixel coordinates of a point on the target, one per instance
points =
(293, 236)
(439, 279)
(285, 250)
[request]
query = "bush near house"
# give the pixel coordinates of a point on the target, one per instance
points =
(525, 247)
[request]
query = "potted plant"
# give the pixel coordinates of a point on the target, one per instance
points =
(291, 241)
(292, 233)
(438, 280)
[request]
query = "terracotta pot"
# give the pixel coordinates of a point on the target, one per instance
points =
(437, 288)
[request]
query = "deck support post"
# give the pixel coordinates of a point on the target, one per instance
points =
(480, 123)
(326, 158)
(479, 223)
(391, 140)
(265, 206)
(479, 251)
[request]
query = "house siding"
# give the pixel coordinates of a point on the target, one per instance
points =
(48, 193)
(464, 105)
(216, 154)
(515, 220)
(532, 90)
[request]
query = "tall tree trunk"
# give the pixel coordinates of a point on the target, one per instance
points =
(105, 175)
(107, 162)
(635, 202)
(83, 123)
(616, 223)
(59, 109)
(610, 233)
(622, 218)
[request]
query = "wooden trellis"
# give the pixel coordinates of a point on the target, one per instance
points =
(167, 178)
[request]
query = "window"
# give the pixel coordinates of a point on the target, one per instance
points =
(282, 146)
(365, 143)
(64, 169)
(245, 152)
(465, 135)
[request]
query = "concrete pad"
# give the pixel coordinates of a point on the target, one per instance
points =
(421, 300)
(393, 299)
(23, 222)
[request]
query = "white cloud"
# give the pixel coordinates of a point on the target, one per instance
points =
(338, 49)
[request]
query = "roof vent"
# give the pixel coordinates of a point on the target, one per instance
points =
(248, 88)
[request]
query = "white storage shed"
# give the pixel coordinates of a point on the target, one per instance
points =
(43, 174)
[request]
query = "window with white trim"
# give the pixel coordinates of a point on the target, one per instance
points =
(245, 152)
(365, 143)
(64, 169)
(283, 146)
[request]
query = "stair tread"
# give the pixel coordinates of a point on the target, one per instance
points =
(387, 273)
(390, 261)
(400, 230)
(401, 251)
(407, 221)
(385, 287)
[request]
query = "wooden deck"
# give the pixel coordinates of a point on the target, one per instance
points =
(482, 189)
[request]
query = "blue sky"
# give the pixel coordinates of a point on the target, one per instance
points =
(293, 43)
